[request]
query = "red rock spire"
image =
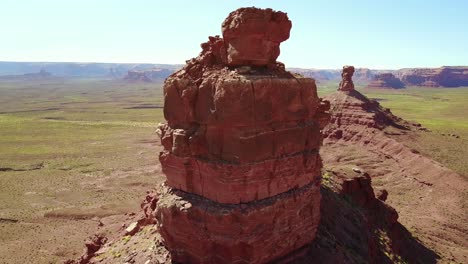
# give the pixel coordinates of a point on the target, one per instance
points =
(346, 83)
(241, 149)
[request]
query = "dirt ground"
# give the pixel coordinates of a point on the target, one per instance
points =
(98, 172)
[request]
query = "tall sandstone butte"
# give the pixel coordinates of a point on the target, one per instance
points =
(241, 148)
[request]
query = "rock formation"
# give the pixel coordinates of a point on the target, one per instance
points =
(444, 76)
(254, 39)
(240, 148)
(346, 83)
(362, 133)
(363, 75)
(386, 80)
(360, 74)
(352, 113)
(147, 75)
(136, 76)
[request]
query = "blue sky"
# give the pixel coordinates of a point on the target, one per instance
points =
(325, 34)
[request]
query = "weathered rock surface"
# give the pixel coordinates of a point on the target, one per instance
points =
(240, 148)
(435, 77)
(257, 232)
(346, 83)
(352, 113)
(386, 80)
(253, 36)
(240, 183)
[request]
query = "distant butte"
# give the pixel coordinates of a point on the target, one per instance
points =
(386, 80)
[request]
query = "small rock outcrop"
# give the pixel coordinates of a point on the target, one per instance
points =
(240, 148)
(386, 80)
(346, 83)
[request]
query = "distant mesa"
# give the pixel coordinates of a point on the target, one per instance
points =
(41, 75)
(86, 70)
(147, 75)
(436, 77)
(137, 76)
(386, 80)
(361, 75)
(447, 76)
(239, 52)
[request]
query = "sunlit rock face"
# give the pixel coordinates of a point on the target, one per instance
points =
(346, 83)
(241, 148)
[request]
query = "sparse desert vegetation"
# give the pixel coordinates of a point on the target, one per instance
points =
(71, 151)
(79, 149)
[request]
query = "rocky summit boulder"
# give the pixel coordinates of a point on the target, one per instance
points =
(253, 36)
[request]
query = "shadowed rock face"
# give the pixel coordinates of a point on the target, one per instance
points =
(241, 142)
(346, 83)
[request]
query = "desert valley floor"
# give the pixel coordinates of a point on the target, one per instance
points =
(78, 154)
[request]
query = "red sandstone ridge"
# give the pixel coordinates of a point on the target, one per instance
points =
(351, 109)
(241, 142)
(428, 197)
(386, 80)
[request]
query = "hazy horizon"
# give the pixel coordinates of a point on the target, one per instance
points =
(325, 34)
(182, 64)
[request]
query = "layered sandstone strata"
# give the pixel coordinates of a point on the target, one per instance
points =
(240, 148)
(351, 113)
